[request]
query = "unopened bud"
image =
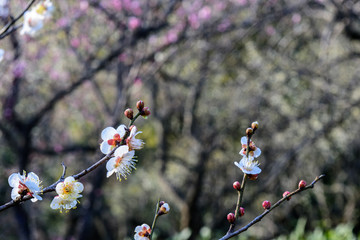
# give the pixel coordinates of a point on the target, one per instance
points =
(231, 218)
(255, 125)
(164, 209)
(266, 204)
(302, 184)
(129, 113)
(285, 194)
(237, 185)
(249, 131)
(241, 211)
(140, 105)
(145, 112)
(252, 176)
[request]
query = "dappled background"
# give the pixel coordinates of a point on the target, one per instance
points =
(206, 69)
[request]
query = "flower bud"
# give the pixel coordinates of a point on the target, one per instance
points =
(140, 105)
(164, 208)
(266, 204)
(252, 176)
(231, 218)
(237, 185)
(145, 112)
(285, 194)
(255, 125)
(129, 113)
(249, 131)
(302, 184)
(241, 211)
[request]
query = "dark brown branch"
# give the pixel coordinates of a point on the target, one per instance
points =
(261, 216)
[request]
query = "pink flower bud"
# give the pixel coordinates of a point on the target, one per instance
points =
(140, 105)
(231, 218)
(241, 211)
(145, 112)
(285, 194)
(302, 184)
(237, 185)
(252, 176)
(249, 131)
(129, 113)
(266, 204)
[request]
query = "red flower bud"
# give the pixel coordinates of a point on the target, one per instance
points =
(302, 184)
(252, 176)
(285, 194)
(237, 185)
(145, 112)
(241, 211)
(255, 125)
(231, 218)
(129, 113)
(140, 105)
(249, 131)
(266, 204)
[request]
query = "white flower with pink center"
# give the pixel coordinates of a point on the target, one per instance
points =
(248, 165)
(111, 138)
(25, 185)
(132, 142)
(142, 232)
(69, 189)
(122, 163)
(253, 150)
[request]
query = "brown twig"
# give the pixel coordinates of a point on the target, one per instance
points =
(258, 218)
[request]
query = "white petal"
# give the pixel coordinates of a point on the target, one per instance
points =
(108, 133)
(257, 152)
(121, 130)
(244, 140)
(109, 173)
(121, 151)
(110, 164)
(105, 148)
(33, 177)
(55, 203)
(59, 188)
(14, 193)
(14, 179)
(78, 187)
(69, 179)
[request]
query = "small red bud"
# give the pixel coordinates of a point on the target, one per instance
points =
(252, 176)
(255, 125)
(129, 113)
(145, 112)
(266, 204)
(302, 184)
(161, 203)
(231, 218)
(237, 185)
(140, 105)
(285, 194)
(241, 211)
(249, 131)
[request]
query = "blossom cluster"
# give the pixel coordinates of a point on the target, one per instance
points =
(34, 18)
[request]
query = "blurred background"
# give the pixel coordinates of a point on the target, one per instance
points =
(206, 69)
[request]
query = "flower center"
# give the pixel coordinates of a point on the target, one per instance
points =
(118, 162)
(115, 140)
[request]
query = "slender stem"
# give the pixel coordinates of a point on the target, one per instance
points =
(133, 120)
(240, 195)
(155, 219)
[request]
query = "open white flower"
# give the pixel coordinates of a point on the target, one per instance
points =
(122, 163)
(142, 232)
(253, 150)
(164, 209)
(132, 142)
(111, 138)
(249, 165)
(69, 189)
(33, 22)
(25, 185)
(59, 203)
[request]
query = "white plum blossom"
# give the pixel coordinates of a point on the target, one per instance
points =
(68, 193)
(249, 165)
(25, 185)
(34, 18)
(142, 232)
(2, 53)
(253, 150)
(164, 209)
(132, 142)
(111, 138)
(122, 163)
(69, 189)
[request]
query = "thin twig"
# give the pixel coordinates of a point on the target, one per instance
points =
(258, 218)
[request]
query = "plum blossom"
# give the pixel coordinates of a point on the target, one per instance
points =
(142, 232)
(122, 163)
(249, 165)
(25, 185)
(59, 203)
(134, 23)
(111, 138)
(69, 189)
(253, 150)
(132, 142)
(164, 208)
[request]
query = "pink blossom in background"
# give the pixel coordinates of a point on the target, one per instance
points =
(240, 2)
(270, 30)
(171, 36)
(134, 23)
(19, 69)
(84, 5)
(62, 22)
(219, 6)
(137, 81)
(194, 21)
(136, 8)
(116, 4)
(224, 25)
(205, 13)
(75, 42)
(296, 18)
(123, 57)
(58, 148)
